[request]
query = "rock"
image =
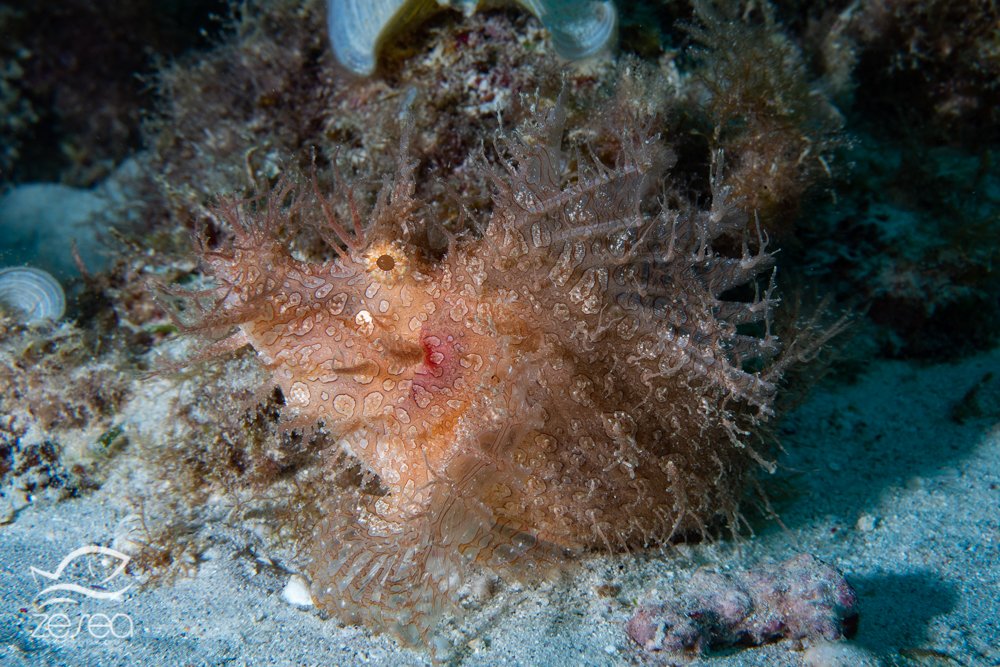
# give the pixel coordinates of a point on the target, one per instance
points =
(801, 599)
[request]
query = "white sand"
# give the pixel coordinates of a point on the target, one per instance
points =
(877, 479)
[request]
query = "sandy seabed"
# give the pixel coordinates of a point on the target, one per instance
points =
(894, 478)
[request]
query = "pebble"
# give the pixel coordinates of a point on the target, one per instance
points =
(296, 592)
(866, 523)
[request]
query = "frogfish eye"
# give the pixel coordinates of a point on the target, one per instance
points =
(386, 262)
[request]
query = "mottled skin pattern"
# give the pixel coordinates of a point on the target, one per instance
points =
(567, 378)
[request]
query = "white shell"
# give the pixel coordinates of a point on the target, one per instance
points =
(357, 27)
(579, 28)
(31, 295)
(296, 592)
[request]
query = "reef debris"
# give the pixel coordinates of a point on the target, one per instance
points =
(802, 598)
(358, 28)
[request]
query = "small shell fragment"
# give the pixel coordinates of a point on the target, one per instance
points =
(31, 295)
(358, 28)
(296, 592)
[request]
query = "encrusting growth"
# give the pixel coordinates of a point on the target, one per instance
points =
(572, 376)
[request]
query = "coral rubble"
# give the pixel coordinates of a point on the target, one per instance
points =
(801, 599)
(59, 400)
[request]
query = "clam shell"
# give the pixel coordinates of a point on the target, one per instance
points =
(31, 295)
(579, 28)
(357, 28)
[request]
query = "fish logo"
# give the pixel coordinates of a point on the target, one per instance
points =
(97, 591)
